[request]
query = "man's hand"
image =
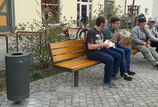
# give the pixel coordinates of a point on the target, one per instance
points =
(145, 44)
(106, 45)
(148, 46)
(119, 34)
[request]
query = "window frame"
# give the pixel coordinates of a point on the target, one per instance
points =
(58, 4)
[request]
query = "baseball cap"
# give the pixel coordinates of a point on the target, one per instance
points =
(151, 19)
(141, 19)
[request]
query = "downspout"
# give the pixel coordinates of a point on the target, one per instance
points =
(125, 7)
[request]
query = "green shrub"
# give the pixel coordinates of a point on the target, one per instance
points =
(37, 40)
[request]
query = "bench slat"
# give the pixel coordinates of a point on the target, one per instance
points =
(135, 51)
(78, 63)
(67, 50)
(126, 42)
(68, 56)
(72, 62)
(66, 44)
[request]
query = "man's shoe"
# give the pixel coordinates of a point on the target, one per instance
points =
(157, 66)
(116, 78)
(131, 73)
(111, 85)
(126, 77)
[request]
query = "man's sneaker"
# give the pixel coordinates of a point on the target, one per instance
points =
(126, 77)
(157, 66)
(115, 78)
(131, 73)
(111, 85)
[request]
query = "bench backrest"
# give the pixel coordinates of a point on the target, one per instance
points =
(127, 42)
(62, 51)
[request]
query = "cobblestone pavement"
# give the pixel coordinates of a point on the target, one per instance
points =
(2, 52)
(58, 90)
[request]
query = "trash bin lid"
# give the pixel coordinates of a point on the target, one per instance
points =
(17, 54)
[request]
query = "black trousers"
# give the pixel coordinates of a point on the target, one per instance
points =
(155, 44)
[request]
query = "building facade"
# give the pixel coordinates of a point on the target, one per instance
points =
(147, 7)
(14, 12)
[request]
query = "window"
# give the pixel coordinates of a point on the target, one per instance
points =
(108, 6)
(7, 19)
(146, 11)
(84, 0)
(50, 10)
(84, 9)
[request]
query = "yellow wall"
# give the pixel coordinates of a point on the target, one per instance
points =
(25, 11)
(68, 9)
(95, 6)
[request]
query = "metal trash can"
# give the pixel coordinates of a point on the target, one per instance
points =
(17, 75)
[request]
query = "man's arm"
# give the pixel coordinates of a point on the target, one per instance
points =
(134, 38)
(150, 35)
(115, 37)
(95, 46)
(156, 33)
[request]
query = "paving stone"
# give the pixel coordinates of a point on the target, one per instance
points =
(58, 90)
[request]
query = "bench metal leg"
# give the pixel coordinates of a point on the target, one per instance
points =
(76, 78)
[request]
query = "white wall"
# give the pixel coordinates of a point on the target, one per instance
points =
(143, 4)
(25, 11)
(155, 9)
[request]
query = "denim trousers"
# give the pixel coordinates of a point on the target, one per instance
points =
(112, 61)
(126, 58)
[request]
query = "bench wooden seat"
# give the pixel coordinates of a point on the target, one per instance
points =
(127, 43)
(77, 64)
(70, 56)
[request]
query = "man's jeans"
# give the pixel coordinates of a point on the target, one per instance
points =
(112, 61)
(149, 53)
(126, 58)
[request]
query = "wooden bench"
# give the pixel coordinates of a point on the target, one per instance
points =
(70, 56)
(127, 43)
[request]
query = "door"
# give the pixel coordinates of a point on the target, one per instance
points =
(84, 10)
(6, 15)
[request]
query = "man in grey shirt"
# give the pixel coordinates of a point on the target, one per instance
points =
(152, 32)
(141, 40)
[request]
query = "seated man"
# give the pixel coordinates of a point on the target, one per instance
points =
(140, 41)
(97, 49)
(152, 33)
(112, 33)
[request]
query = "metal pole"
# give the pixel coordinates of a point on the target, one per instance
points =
(17, 43)
(125, 7)
(7, 44)
(76, 78)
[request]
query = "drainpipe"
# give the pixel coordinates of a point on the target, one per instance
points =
(125, 7)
